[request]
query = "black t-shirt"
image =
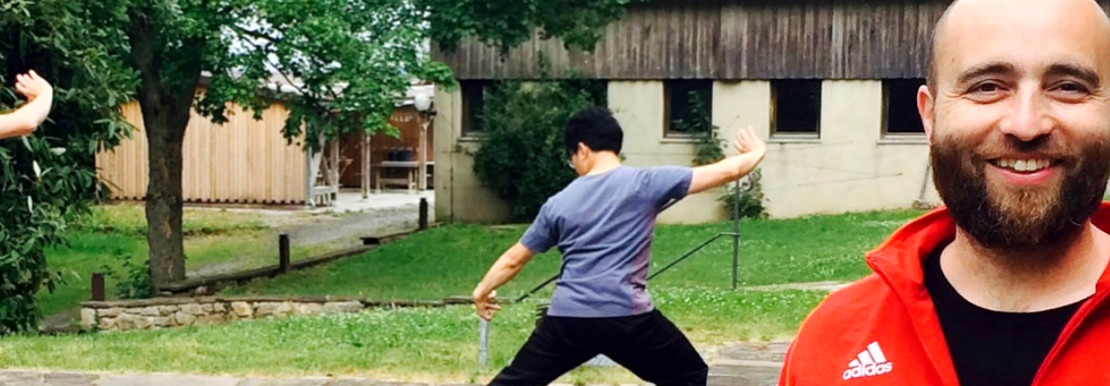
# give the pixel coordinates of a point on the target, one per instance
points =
(991, 347)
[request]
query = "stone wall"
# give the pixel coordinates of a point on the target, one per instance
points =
(158, 313)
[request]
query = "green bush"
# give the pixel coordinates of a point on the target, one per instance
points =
(133, 278)
(708, 144)
(708, 149)
(41, 191)
(522, 158)
(750, 197)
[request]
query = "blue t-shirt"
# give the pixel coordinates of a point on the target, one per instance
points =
(603, 226)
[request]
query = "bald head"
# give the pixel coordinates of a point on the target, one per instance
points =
(964, 18)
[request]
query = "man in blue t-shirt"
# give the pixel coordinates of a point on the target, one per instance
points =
(602, 223)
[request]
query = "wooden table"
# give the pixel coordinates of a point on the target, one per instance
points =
(411, 169)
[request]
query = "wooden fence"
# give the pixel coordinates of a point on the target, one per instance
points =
(242, 161)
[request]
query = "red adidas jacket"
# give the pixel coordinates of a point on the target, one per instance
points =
(883, 329)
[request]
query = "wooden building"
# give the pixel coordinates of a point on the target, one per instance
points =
(248, 161)
(830, 83)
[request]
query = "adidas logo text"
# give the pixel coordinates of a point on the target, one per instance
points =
(869, 363)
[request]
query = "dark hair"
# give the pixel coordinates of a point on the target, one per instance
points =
(595, 127)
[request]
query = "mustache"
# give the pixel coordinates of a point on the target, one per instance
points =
(1009, 146)
(1016, 219)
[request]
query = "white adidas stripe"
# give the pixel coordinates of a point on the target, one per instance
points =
(865, 358)
(876, 352)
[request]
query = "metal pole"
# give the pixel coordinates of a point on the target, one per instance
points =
(687, 255)
(539, 287)
(422, 174)
(736, 235)
(483, 342)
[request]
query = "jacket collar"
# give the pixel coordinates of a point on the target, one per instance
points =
(898, 261)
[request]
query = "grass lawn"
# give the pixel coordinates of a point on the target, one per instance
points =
(451, 260)
(441, 344)
(111, 234)
(411, 344)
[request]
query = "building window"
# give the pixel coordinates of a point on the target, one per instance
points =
(796, 108)
(900, 117)
(473, 101)
(688, 107)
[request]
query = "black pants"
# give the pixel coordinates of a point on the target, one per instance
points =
(649, 345)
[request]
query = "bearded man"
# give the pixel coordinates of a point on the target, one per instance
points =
(1007, 284)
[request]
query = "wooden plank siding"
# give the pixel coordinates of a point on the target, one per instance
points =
(407, 120)
(242, 161)
(677, 41)
(731, 40)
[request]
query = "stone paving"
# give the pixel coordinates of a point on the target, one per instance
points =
(743, 364)
(748, 364)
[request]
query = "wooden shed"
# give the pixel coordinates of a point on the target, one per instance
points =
(248, 161)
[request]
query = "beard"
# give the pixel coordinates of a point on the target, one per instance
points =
(1019, 218)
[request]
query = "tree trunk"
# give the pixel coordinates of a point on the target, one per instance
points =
(164, 196)
(165, 116)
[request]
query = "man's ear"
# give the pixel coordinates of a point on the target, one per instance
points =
(583, 149)
(925, 107)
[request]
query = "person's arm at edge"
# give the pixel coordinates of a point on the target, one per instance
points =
(24, 120)
(751, 150)
(504, 270)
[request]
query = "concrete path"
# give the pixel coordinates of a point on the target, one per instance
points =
(748, 364)
(50, 378)
(827, 286)
(742, 364)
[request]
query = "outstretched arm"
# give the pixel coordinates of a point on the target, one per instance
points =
(40, 96)
(751, 150)
(505, 269)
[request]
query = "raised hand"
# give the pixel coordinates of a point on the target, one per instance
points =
(747, 142)
(40, 96)
(33, 86)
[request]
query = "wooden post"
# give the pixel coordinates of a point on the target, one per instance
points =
(365, 165)
(97, 287)
(333, 163)
(283, 253)
(423, 213)
(422, 174)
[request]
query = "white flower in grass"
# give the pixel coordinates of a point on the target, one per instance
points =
(38, 171)
(30, 204)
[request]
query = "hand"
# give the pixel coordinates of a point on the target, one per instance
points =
(748, 143)
(486, 304)
(33, 86)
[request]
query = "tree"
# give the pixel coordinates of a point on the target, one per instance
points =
(47, 178)
(349, 59)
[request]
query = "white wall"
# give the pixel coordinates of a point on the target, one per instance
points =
(459, 195)
(849, 168)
